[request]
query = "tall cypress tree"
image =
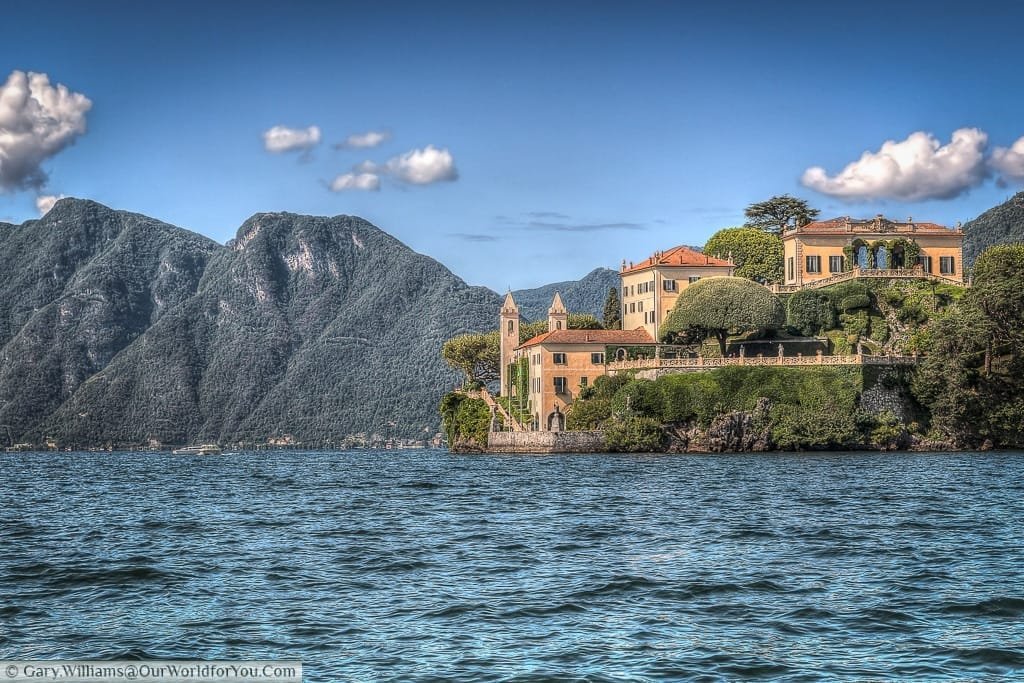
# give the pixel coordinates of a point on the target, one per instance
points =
(612, 310)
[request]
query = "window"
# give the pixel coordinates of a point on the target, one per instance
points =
(558, 324)
(536, 385)
(926, 263)
(511, 326)
(789, 269)
(835, 264)
(813, 264)
(560, 385)
(946, 265)
(640, 307)
(625, 292)
(583, 381)
(668, 285)
(558, 358)
(694, 278)
(597, 358)
(632, 308)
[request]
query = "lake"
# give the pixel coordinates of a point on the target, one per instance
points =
(426, 566)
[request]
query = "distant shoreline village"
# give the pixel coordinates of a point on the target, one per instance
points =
(545, 377)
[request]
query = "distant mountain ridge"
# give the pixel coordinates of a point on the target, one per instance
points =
(586, 295)
(1003, 224)
(118, 329)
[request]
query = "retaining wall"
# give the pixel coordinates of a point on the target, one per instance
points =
(545, 442)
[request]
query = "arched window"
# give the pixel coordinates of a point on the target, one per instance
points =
(511, 326)
(620, 354)
(882, 258)
(558, 324)
(862, 257)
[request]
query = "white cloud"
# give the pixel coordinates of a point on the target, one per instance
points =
(370, 138)
(368, 182)
(283, 139)
(416, 167)
(37, 120)
(917, 168)
(423, 166)
(1009, 160)
(45, 202)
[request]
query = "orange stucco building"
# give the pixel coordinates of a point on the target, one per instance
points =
(822, 249)
(559, 363)
(650, 288)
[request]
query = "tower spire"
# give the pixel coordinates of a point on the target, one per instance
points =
(558, 317)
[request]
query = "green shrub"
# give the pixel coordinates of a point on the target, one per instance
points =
(633, 434)
(878, 329)
(588, 414)
(853, 302)
(809, 312)
(641, 396)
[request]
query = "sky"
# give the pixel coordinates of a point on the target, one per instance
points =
(517, 143)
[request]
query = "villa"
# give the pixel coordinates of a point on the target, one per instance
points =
(824, 249)
(650, 288)
(543, 375)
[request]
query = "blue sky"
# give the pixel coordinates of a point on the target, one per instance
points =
(525, 142)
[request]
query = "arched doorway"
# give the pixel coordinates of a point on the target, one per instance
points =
(556, 421)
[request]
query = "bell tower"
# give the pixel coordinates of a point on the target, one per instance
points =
(558, 317)
(509, 332)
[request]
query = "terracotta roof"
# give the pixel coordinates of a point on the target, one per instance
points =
(637, 336)
(871, 225)
(677, 256)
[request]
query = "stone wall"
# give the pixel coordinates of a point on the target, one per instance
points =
(885, 390)
(545, 442)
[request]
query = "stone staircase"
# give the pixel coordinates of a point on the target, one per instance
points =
(486, 397)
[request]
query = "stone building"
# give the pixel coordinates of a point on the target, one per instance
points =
(557, 364)
(824, 249)
(650, 288)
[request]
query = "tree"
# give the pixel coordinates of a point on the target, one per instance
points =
(528, 331)
(779, 213)
(478, 356)
(613, 310)
(720, 306)
(972, 377)
(809, 312)
(583, 321)
(756, 253)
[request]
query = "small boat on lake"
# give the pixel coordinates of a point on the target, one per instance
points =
(206, 449)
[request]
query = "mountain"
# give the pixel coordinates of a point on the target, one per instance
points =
(79, 286)
(1001, 224)
(116, 328)
(580, 296)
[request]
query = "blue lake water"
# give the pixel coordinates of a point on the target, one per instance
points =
(423, 566)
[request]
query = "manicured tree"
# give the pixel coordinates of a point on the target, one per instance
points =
(478, 356)
(612, 310)
(779, 213)
(756, 253)
(809, 312)
(720, 306)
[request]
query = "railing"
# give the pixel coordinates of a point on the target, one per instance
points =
(485, 395)
(701, 362)
(915, 273)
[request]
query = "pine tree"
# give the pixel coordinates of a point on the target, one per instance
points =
(612, 310)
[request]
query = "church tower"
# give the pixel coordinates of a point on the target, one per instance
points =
(558, 317)
(509, 339)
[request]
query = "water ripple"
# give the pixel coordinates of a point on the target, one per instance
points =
(423, 566)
